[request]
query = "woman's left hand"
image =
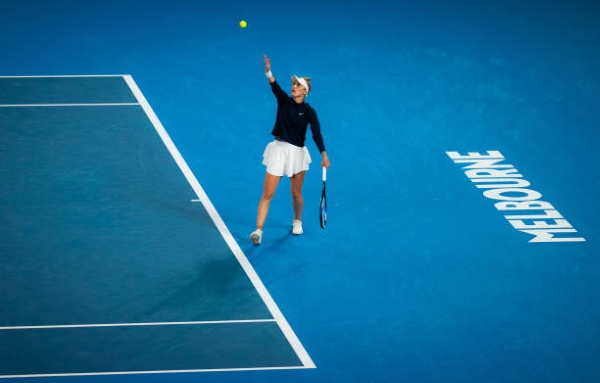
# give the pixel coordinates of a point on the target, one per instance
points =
(325, 162)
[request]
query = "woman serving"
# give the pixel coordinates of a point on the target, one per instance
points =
(287, 155)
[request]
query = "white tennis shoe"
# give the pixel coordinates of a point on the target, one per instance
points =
(256, 236)
(297, 227)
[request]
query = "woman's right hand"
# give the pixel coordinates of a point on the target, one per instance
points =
(267, 64)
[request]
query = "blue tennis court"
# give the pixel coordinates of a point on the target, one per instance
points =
(462, 238)
(110, 244)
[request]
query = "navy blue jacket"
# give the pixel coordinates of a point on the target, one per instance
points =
(292, 120)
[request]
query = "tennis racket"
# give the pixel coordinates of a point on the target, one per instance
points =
(323, 203)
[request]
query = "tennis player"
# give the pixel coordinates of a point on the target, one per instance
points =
(286, 155)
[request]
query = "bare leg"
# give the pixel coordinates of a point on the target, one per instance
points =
(269, 189)
(297, 181)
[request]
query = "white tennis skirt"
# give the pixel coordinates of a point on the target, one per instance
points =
(282, 158)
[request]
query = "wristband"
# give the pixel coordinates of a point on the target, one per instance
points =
(269, 74)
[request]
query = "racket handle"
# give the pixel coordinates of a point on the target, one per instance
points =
(324, 177)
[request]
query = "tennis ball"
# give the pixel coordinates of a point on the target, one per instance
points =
(243, 24)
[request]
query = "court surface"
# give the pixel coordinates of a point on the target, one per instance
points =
(130, 204)
(109, 252)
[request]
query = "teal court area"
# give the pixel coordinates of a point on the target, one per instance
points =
(103, 223)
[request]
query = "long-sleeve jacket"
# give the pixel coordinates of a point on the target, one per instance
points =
(293, 119)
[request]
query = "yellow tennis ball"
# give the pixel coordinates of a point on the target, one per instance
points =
(243, 24)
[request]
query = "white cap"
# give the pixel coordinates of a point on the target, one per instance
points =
(301, 81)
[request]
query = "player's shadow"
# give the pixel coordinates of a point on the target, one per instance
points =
(276, 239)
(212, 290)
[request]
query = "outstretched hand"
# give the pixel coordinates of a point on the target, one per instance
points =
(267, 64)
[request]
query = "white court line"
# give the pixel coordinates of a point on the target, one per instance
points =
(69, 105)
(229, 239)
(194, 323)
(154, 372)
(66, 76)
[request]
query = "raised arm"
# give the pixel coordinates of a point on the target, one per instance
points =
(268, 69)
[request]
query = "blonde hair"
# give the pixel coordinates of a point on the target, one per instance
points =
(308, 82)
